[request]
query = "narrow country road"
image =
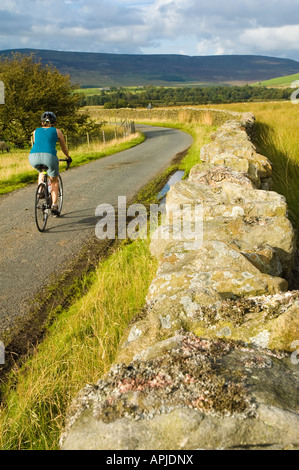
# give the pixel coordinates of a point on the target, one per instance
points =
(28, 259)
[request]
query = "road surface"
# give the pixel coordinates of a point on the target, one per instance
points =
(28, 259)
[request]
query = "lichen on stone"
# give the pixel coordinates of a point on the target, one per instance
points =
(236, 310)
(185, 376)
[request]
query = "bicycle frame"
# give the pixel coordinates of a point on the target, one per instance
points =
(43, 198)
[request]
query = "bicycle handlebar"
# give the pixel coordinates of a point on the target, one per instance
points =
(65, 160)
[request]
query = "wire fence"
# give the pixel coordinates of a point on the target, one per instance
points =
(102, 134)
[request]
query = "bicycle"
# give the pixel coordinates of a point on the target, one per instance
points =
(43, 198)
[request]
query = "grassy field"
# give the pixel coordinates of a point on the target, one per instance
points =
(97, 91)
(281, 82)
(81, 344)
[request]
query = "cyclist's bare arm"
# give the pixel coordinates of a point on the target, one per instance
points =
(62, 143)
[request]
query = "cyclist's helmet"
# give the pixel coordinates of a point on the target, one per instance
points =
(48, 116)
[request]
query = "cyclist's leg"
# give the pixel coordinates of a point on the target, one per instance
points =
(54, 189)
(53, 172)
(40, 177)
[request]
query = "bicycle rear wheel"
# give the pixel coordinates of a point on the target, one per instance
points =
(60, 194)
(41, 209)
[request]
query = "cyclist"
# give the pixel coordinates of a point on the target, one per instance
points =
(44, 152)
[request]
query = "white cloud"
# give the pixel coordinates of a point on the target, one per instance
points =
(214, 46)
(281, 38)
(153, 26)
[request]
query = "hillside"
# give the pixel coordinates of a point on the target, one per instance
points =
(98, 69)
(281, 82)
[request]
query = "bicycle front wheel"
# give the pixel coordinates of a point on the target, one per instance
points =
(41, 209)
(60, 194)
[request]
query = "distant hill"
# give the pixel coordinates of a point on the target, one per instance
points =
(101, 70)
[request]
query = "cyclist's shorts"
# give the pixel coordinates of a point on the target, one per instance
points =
(51, 161)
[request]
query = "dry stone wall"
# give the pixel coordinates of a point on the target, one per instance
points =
(183, 114)
(210, 363)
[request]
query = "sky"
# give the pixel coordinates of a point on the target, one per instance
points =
(188, 27)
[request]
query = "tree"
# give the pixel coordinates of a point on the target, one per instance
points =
(31, 89)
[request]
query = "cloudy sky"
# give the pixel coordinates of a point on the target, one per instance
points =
(191, 27)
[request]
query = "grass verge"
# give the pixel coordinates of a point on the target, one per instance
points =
(78, 348)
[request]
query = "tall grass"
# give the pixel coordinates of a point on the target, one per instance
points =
(276, 137)
(78, 349)
(282, 149)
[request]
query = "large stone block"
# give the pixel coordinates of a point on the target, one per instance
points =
(227, 195)
(192, 393)
(217, 265)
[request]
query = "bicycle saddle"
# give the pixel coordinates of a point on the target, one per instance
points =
(42, 168)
